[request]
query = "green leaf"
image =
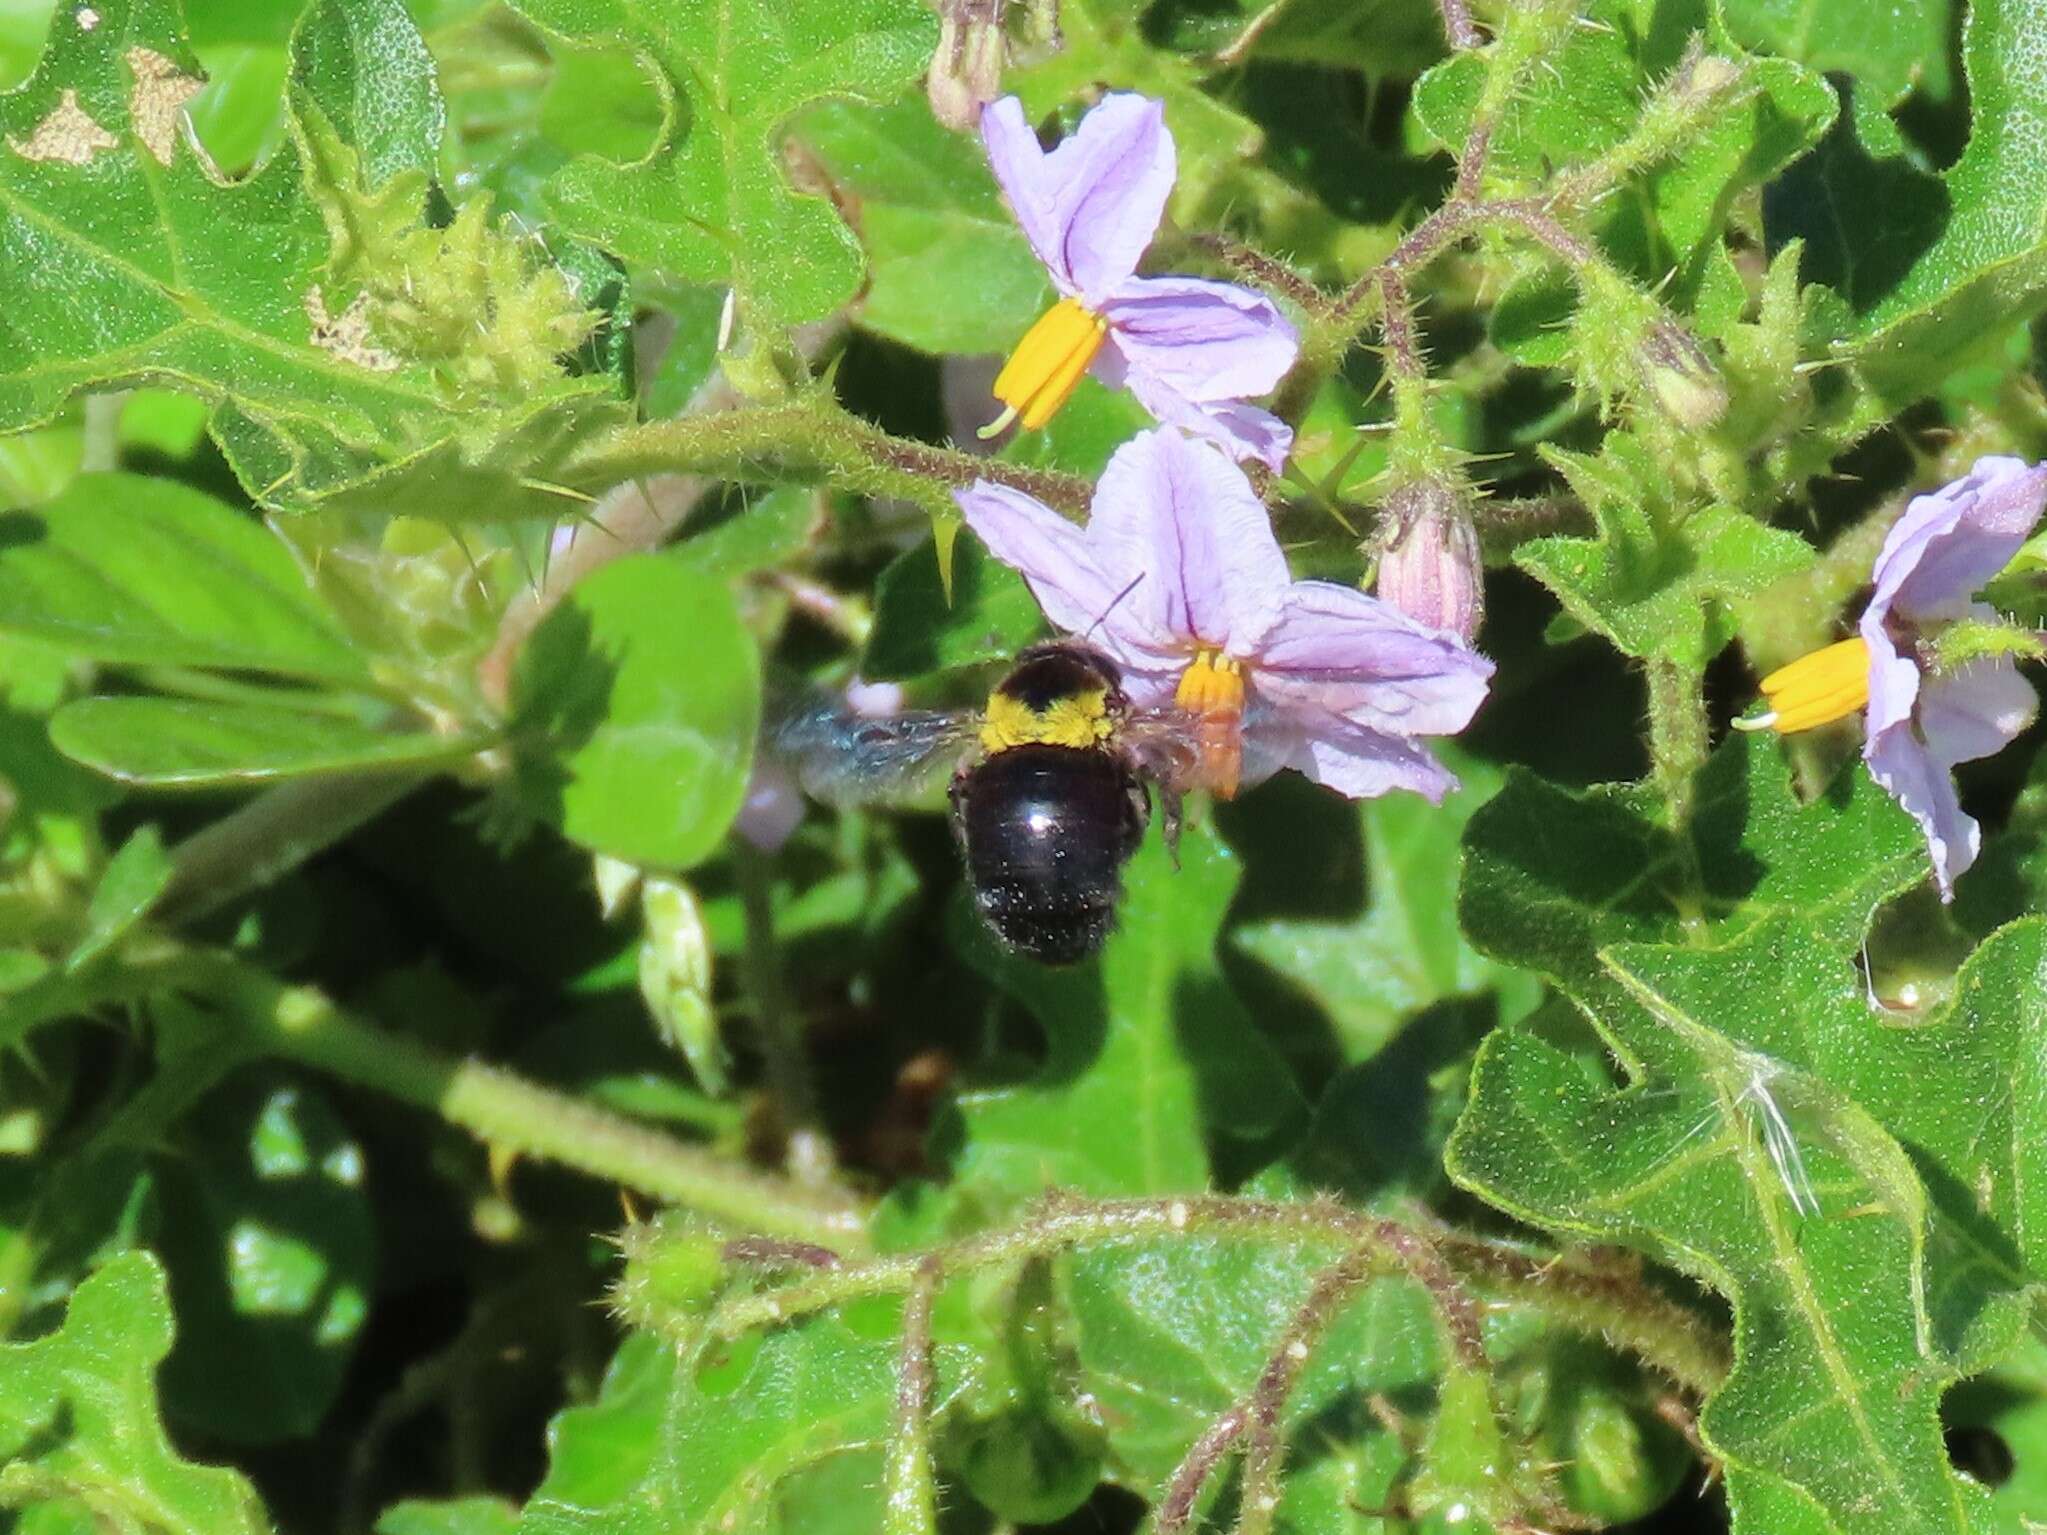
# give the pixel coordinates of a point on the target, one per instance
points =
(1965, 1092)
(128, 260)
(1154, 1072)
(1611, 62)
(1736, 1152)
(1381, 37)
(676, 1449)
(177, 743)
(761, 533)
(1658, 579)
(133, 879)
(1403, 950)
(713, 204)
(949, 269)
(1977, 241)
(455, 1516)
(1103, 46)
(79, 1424)
(150, 573)
(919, 628)
(271, 1247)
(1172, 1335)
(637, 703)
(1902, 49)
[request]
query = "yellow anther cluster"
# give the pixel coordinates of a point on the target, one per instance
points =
(1047, 365)
(1816, 689)
(1213, 685)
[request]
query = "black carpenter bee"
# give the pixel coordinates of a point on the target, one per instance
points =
(1051, 795)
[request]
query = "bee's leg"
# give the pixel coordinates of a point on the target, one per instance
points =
(1169, 821)
(956, 798)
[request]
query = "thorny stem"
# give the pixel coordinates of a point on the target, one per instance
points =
(813, 434)
(1333, 1287)
(1457, 24)
(631, 517)
(1599, 1300)
(1632, 1316)
(1679, 736)
(1702, 83)
(1263, 271)
(516, 1115)
(1183, 1488)
(910, 1507)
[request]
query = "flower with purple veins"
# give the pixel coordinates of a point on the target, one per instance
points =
(1190, 350)
(1178, 578)
(1920, 722)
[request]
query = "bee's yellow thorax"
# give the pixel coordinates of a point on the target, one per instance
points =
(1079, 719)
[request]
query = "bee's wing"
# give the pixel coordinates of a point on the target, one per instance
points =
(845, 758)
(1161, 742)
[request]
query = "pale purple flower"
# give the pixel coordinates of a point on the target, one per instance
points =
(1178, 578)
(1190, 350)
(1947, 545)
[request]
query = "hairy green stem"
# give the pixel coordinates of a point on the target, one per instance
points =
(1602, 1302)
(271, 835)
(103, 432)
(517, 1115)
(1669, 1338)
(1680, 740)
(811, 434)
(910, 1502)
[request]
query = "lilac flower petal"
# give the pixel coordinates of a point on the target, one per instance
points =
(1336, 648)
(1091, 206)
(1110, 181)
(1018, 161)
(1976, 711)
(1062, 566)
(1207, 341)
(1244, 432)
(1183, 518)
(1353, 759)
(1952, 540)
(1919, 781)
(1893, 678)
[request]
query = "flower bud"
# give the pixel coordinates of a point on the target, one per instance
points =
(966, 71)
(675, 977)
(1430, 566)
(772, 809)
(1680, 376)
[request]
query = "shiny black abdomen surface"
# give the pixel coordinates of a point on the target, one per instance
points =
(1046, 831)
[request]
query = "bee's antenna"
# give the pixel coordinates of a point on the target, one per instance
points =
(1113, 601)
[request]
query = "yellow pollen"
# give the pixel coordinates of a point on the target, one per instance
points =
(1078, 720)
(1214, 684)
(1047, 365)
(1816, 689)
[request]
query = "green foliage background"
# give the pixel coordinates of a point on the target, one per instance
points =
(430, 427)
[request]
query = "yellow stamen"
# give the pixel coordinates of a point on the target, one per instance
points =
(1816, 689)
(1212, 690)
(1214, 684)
(1047, 365)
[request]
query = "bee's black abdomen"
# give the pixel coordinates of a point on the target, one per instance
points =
(1046, 831)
